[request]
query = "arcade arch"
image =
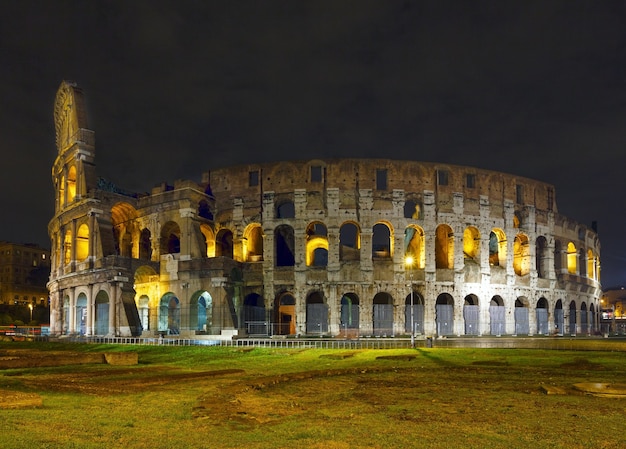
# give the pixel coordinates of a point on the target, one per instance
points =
(471, 315)
(444, 247)
(444, 314)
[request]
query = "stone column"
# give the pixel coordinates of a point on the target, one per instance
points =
(112, 310)
(72, 311)
(90, 312)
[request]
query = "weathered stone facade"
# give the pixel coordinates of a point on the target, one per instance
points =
(313, 247)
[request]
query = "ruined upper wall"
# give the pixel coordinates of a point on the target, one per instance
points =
(353, 174)
(70, 115)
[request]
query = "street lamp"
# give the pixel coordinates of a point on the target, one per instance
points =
(30, 306)
(408, 261)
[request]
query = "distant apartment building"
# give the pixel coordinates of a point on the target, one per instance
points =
(24, 272)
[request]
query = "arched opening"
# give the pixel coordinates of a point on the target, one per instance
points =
(253, 243)
(559, 318)
(444, 247)
(497, 316)
(125, 228)
(497, 248)
(522, 325)
(541, 257)
(414, 246)
(71, 184)
(381, 241)
(349, 314)
(471, 244)
(584, 319)
(591, 265)
(102, 313)
(204, 210)
(206, 301)
(592, 319)
(143, 307)
(418, 314)
(145, 245)
(471, 315)
(444, 314)
(209, 240)
(81, 314)
(199, 304)
(285, 244)
(316, 314)
(82, 243)
(254, 315)
(572, 318)
(126, 245)
(542, 316)
(169, 314)
(224, 243)
(521, 255)
(285, 315)
(349, 242)
(572, 256)
(170, 239)
(412, 210)
(285, 209)
(383, 315)
(316, 252)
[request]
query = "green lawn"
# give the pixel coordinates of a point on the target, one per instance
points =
(212, 397)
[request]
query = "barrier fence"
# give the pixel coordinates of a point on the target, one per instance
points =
(612, 343)
(538, 342)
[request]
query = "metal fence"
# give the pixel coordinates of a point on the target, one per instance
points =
(539, 342)
(363, 343)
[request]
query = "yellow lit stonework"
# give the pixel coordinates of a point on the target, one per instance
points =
(572, 258)
(319, 247)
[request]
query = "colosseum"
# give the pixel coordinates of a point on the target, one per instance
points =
(342, 248)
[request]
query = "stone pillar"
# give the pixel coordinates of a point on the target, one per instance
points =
(90, 311)
(510, 231)
(334, 310)
(187, 245)
(56, 315)
(72, 310)
(73, 246)
(485, 212)
(113, 310)
(92, 238)
(430, 224)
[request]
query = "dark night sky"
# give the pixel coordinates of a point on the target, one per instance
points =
(175, 88)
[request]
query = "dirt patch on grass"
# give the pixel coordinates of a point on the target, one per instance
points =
(406, 357)
(271, 398)
(582, 364)
(109, 381)
(340, 356)
(16, 400)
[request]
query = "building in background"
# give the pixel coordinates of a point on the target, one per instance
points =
(613, 310)
(24, 272)
(341, 247)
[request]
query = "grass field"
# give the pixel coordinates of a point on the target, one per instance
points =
(212, 397)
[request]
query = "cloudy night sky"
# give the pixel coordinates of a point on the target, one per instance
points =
(176, 88)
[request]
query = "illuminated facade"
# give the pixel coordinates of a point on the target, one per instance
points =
(313, 247)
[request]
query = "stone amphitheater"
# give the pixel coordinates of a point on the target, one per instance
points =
(336, 247)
